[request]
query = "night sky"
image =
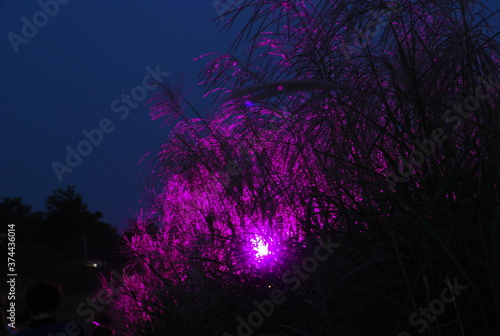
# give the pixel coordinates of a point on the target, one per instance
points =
(68, 75)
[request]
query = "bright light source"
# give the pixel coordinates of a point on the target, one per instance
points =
(261, 247)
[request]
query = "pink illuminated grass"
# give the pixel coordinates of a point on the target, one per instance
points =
(305, 134)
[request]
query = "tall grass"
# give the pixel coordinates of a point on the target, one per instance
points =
(311, 137)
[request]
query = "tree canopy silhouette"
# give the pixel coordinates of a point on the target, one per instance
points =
(50, 246)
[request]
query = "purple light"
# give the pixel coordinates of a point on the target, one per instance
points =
(234, 192)
(260, 247)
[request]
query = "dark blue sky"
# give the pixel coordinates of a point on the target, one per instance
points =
(65, 79)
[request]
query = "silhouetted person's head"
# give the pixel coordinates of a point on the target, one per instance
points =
(43, 298)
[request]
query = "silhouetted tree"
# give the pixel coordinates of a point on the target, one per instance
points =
(50, 246)
(69, 226)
